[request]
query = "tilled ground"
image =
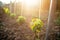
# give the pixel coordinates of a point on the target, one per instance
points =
(11, 30)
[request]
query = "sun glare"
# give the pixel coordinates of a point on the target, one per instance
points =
(30, 3)
(6, 1)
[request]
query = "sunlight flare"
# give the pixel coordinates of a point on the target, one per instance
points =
(29, 3)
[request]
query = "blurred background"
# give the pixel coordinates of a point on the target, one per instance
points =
(30, 9)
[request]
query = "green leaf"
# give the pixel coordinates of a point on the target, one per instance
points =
(21, 19)
(7, 11)
(36, 25)
(12, 15)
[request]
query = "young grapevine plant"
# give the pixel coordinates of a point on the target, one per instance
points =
(7, 11)
(36, 26)
(21, 19)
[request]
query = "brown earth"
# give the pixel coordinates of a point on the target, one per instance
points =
(15, 31)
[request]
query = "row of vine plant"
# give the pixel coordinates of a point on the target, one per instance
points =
(36, 24)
